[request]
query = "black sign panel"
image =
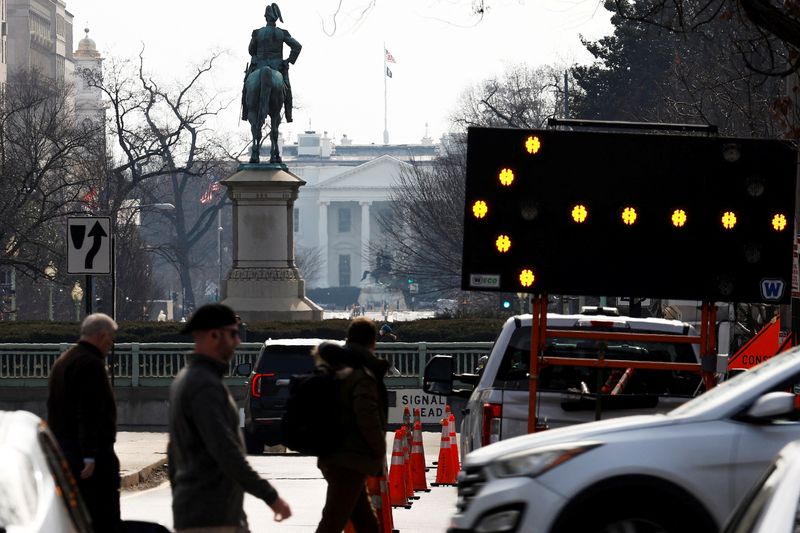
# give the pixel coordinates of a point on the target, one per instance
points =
(629, 214)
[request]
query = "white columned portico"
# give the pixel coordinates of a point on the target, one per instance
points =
(365, 250)
(323, 243)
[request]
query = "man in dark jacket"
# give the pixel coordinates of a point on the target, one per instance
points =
(208, 470)
(83, 417)
(363, 409)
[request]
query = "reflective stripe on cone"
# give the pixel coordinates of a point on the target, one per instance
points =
(455, 464)
(418, 460)
(443, 475)
(397, 474)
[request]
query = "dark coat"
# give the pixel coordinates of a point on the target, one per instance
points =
(208, 469)
(80, 405)
(363, 410)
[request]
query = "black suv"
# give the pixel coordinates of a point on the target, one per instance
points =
(268, 388)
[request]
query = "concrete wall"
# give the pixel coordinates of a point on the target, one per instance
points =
(137, 407)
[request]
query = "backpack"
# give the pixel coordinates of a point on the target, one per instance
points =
(310, 423)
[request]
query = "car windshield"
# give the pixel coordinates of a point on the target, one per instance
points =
(784, 364)
(514, 368)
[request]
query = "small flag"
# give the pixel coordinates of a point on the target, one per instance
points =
(389, 57)
(208, 195)
(388, 72)
(90, 199)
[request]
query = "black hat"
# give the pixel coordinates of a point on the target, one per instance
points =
(210, 316)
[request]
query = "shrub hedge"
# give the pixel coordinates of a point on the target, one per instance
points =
(429, 330)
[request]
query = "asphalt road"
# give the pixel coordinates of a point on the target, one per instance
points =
(300, 483)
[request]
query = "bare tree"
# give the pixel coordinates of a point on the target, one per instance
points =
(425, 226)
(45, 161)
(165, 152)
(309, 261)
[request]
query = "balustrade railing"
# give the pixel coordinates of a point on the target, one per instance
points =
(155, 364)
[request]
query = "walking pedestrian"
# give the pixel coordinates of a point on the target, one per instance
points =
(83, 417)
(363, 407)
(208, 469)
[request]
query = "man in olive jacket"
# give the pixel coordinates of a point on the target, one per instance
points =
(208, 469)
(362, 406)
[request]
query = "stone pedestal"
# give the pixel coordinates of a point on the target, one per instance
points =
(264, 283)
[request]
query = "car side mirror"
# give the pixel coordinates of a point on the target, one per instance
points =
(438, 377)
(771, 405)
(243, 369)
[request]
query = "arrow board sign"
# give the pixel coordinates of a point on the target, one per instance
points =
(89, 245)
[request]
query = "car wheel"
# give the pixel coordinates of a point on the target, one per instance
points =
(637, 515)
(254, 443)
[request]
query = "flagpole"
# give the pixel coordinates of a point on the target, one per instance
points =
(385, 99)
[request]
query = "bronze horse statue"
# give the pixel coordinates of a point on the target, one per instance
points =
(264, 95)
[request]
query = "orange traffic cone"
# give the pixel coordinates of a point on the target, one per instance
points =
(455, 465)
(387, 522)
(407, 464)
(397, 474)
(443, 476)
(418, 460)
(376, 486)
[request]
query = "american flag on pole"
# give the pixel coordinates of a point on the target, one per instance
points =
(208, 195)
(90, 199)
(389, 56)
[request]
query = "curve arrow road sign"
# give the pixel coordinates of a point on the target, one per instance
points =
(89, 245)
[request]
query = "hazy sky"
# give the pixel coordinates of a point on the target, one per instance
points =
(440, 48)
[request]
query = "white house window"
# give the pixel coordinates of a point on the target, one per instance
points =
(344, 220)
(344, 270)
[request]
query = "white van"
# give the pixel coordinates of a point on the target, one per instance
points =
(497, 407)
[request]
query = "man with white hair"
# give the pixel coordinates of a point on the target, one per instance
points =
(83, 417)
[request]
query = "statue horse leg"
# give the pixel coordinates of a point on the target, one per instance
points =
(275, 122)
(252, 93)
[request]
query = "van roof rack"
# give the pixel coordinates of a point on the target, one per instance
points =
(599, 310)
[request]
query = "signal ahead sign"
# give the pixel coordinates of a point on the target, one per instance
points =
(629, 214)
(89, 245)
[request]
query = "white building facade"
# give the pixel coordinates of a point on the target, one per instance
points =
(348, 189)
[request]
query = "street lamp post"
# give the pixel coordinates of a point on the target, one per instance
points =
(77, 296)
(50, 272)
(219, 255)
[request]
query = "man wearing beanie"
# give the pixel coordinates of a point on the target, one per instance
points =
(208, 468)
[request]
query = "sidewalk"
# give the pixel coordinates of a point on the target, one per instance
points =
(142, 452)
(139, 454)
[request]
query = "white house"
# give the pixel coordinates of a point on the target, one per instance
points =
(347, 189)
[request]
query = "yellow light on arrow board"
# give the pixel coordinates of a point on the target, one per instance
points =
(526, 277)
(503, 243)
(629, 216)
(533, 144)
(779, 222)
(479, 209)
(579, 213)
(679, 218)
(728, 219)
(506, 177)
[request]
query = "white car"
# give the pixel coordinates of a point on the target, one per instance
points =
(37, 491)
(677, 472)
(773, 504)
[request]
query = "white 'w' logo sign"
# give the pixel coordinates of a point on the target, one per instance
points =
(772, 289)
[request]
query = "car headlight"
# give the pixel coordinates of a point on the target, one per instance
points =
(535, 462)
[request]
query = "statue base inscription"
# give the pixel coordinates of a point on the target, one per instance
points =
(267, 294)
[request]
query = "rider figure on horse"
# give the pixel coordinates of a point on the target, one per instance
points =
(266, 49)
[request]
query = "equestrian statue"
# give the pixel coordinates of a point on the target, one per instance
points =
(266, 88)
